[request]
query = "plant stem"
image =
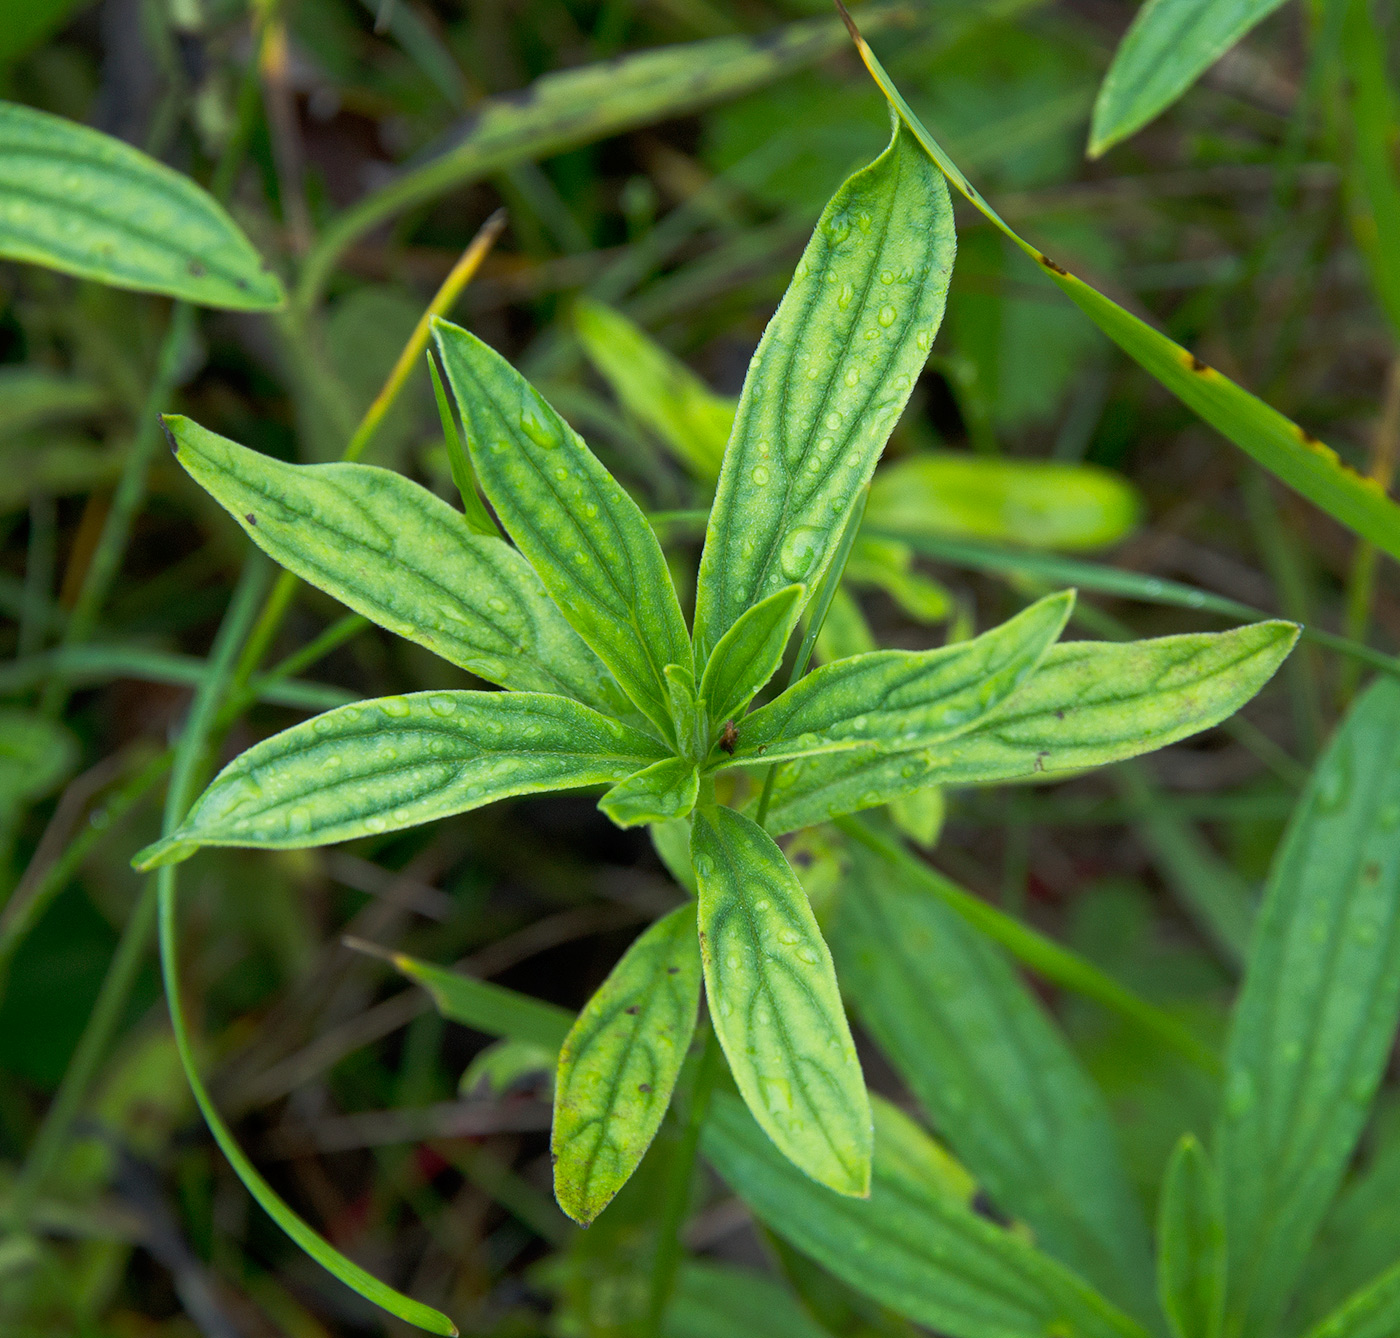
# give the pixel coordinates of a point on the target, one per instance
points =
(669, 1248)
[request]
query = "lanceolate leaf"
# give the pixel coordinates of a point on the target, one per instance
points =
(391, 550)
(1264, 434)
(1169, 45)
(749, 654)
(665, 790)
(582, 533)
(923, 1253)
(827, 384)
(1036, 503)
(995, 1075)
(394, 762)
(619, 1065)
(1374, 1312)
(899, 700)
(658, 389)
(1089, 703)
(1317, 1015)
(1191, 1244)
(774, 1002)
(76, 200)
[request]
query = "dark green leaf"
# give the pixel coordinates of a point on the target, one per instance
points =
(721, 1301)
(1374, 1312)
(749, 654)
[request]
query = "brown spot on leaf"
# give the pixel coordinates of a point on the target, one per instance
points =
(195, 268)
(673, 970)
(1196, 365)
(729, 737)
(1052, 265)
(251, 518)
(632, 1010)
(644, 1087)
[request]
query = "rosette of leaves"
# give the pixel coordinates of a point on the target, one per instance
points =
(573, 613)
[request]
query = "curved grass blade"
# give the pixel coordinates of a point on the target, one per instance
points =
(584, 536)
(619, 1065)
(995, 1075)
(1035, 503)
(1167, 47)
(924, 1253)
(405, 559)
(749, 654)
(663, 791)
(1373, 1312)
(831, 376)
(659, 390)
(1261, 432)
(1089, 703)
(888, 565)
(394, 762)
(1314, 1024)
(774, 1002)
(1191, 1244)
(895, 701)
(76, 200)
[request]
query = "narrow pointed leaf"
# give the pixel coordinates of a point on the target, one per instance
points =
(1167, 47)
(1316, 1018)
(587, 539)
(1089, 703)
(1191, 1244)
(829, 380)
(1277, 444)
(896, 701)
(391, 550)
(76, 200)
(721, 1301)
(657, 388)
(394, 762)
(619, 1065)
(774, 1002)
(749, 654)
(1373, 1312)
(663, 791)
(926, 1254)
(995, 1075)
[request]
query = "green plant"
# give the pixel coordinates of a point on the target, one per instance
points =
(605, 685)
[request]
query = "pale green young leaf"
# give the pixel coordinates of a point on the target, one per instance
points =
(1316, 1018)
(35, 755)
(405, 559)
(829, 380)
(619, 1065)
(907, 1153)
(996, 1076)
(474, 510)
(1373, 1312)
(923, 1253)
(1265, 435)
(844, 631)
(1191, 1258)
(661, 792)
(482, 1006)
(657, 388)
(1035, 503)
(919, 815)
(1167, 47)
(671, 840)
(888, 565)
(896, 701)
(721, 1301)
(76, 200)
(1089, 703)
(774, 1002)
(692, 732)
(584, 536)
(496, 1069)
(749, 654)
(394, 762)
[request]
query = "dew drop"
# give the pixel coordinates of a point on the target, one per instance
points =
(760, 475)
(397, 707)
(799, 551)
(441, 704)
(886, 315)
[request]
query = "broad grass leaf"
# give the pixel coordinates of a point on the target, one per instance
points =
(482, 1006)
(912, 1247)
(405, 559)
(995, 1075)
(829, 380)
(1034, 503)
(895, 701)
(76, 200)
(1089, 703)
(1191, 1244)
(1373, 1312)
(619, 1065)
(664, 791)
(1265, 435)
(1316, 1018)
(657, 388)
(584, 536)
(721, 1301)
(749, 654)
(393, 762)
(774, 1002)
(1167, 47)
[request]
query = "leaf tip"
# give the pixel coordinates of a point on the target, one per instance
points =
(168, 850)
